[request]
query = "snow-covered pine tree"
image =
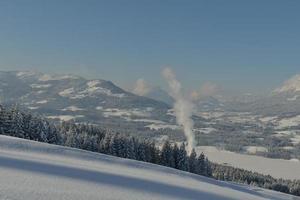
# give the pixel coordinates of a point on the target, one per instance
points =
(182, 158)
(176, 155)
(140, 153)
(129, 149)
(166, 157)
(193, 162)
(201, 169)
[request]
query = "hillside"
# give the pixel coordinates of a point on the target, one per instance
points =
(32, 170)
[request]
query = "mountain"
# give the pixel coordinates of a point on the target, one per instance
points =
(33, 170)
(290, 86)
(282, 101)
(159, 94)
(34, 89)
(69, 97)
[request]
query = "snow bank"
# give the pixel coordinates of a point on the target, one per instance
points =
(32, 170)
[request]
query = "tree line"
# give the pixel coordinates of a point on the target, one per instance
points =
(22, 124)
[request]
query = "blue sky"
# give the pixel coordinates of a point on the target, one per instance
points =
(242, 45)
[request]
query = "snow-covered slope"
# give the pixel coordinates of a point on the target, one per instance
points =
(32, 170)
(291, 85)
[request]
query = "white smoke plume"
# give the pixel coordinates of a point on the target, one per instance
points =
(141, 87)
(183, 107)
(206, 90)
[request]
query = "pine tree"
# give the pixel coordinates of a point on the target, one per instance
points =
(154, 153)
(114, 146)
(129, 148)
(176, 156)
(140, 154)
(193, 162)
(208, 169)
(105, 144)
(182, 158)
(167, 155)
(201, 169)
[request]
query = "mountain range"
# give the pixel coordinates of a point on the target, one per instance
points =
(101, 102)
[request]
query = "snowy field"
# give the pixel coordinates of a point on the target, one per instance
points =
(32, 170)
(278, 168)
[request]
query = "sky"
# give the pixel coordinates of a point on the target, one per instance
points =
(247, 46)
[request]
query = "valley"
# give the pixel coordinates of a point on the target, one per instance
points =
(227, 125)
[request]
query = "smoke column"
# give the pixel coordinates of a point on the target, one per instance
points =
(183, 107)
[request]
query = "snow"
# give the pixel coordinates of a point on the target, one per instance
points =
(65, 117)
(286, 133)
(155, 124)
(47, 77)
(294, 98)
(296, 139)
(289, 122)
(149, 121)
(40, 92)
(115, 112)
(25, 73)
(241, 118)
(99, 108)
(171, 112)
(207, 130)
(291, 85)
(255, 149)
(210, 115)
(66, 92)
(288, 148)
(273, 167)
(93, 87)
(162, 126)
(40, 86)
(42, 102)
(78, 96)
(33, 107)
(32, 170)
(72, 108)
(93, 83)
(267, 119)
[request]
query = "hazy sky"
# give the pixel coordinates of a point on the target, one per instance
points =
(243, 45)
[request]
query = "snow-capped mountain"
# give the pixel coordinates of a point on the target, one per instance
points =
(36, 88)
(67, 97)
(284, 100)
(290, 86)
(289, 92)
